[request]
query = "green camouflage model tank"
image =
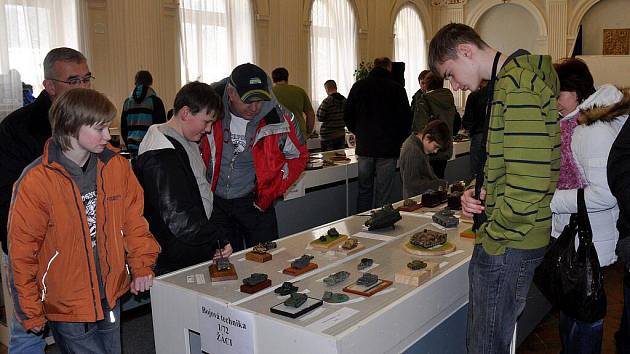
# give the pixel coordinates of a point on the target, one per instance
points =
(296, 300)
(428, 238)
(334, 298)
(416, 264)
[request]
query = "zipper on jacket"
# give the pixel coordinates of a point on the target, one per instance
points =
(44, 290)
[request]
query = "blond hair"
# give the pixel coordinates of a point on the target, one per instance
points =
(76, 108)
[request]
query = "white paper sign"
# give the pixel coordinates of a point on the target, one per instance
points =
(296, 190)
(225, 330)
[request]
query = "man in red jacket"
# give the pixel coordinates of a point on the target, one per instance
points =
(255, 153)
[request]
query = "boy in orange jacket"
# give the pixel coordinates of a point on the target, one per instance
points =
(76, 230)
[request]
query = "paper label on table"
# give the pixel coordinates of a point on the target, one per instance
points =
(386, 291)
(200, 279)
(372, 236)
(313, 314)
(296, 190)
(332, 319)
(454, 253)
(190, 279)
(277, 251)
(224, 330)
(443, 264)
(429, 213)
(374, 265)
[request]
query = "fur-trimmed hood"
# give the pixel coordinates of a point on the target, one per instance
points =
(606, 104)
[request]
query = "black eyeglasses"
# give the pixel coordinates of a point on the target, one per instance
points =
(76, 80)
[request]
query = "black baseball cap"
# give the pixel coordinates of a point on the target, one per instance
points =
(250, 82)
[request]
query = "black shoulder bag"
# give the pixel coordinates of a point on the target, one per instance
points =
(572, 280)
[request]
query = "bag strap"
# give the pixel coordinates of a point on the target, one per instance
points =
(585, 233)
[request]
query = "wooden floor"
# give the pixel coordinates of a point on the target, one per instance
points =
(545, 339)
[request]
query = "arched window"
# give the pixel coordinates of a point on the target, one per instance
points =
(409, 46)
(215, 36)
(333, 46)
(29, 30)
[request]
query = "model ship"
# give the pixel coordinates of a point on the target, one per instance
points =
(433, 199)
(428, 238)
(300, 265)
(260, 252)
(255, 283)
(296, 300)
(286, 289)
(387, 216)
(335, 298)
(365, 263)
(446, 218)
(336, 278)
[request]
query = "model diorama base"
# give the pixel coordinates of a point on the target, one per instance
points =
(292, 312)
(350, 251)
(415, 277)
(433, 251)
(367, 290)
(468, 233)
(258, 257)
(296, 272)
(410, 208)
(216, 275)
(325, 246)
(255, 288)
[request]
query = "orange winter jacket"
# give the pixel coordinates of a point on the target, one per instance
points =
(50, 249)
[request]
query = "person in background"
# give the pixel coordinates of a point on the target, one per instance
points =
(521, 173)
(295, 99)
(417, 175)
(177, 193)
(76, 231)
(378, 114)
(473, 121)
(23, 134)
(588, 131)
(141, 109)
(330, 113)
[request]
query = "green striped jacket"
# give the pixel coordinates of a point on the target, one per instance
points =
(523, 161)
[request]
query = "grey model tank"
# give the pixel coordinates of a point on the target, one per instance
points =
(255, 279)
(286, 289)
(446, 218)
(302, 261)
(331, 234)
(296, 300)
(367, 279)
(387, 216)
(336, 278)
(428, 238)
(334, 298)
(223, 264)
(365, 263)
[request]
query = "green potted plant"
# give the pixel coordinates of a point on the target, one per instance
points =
(363, 70)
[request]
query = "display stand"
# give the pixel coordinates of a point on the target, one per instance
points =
(434, 251)
(258, 257)
(367, 291)
(250, 289)
(216, 275)
(298, 271)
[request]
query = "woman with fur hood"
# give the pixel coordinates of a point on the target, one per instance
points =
(588, 128)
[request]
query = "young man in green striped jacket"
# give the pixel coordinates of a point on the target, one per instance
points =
(521, 172)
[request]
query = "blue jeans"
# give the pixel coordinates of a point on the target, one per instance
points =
(376, 177)
(100, 337)
(498, 291)
(579, 337)
(20, 341)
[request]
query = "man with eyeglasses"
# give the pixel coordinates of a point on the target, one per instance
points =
(23, 134)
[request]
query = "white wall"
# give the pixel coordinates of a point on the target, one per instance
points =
(605, 14)
(606, 68)
(508, 27)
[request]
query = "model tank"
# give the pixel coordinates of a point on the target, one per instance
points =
(387, 216)
(255, 279)
(302, 261)
(336, 278)
(409, 202)
(416, 264)
(454, 201)
(264, 247)
(428, 238)
(331, 234)
(286, 289)
(446, 218)
(432, 199)
(367, 279)
(296, 300)
(365, 263)
(335, 298)
(350, 244)
(223, 264)
(269, 245)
